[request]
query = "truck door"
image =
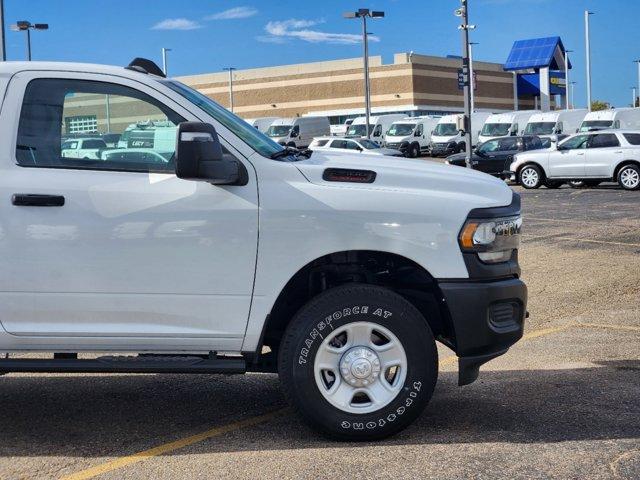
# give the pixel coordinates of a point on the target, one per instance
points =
(115, 246)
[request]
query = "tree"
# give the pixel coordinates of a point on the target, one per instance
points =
(599, 105)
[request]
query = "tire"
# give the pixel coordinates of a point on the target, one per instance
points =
(322, 332)
(629, 177)
(414, 151)
(530, 176)
(576, 183)
(553, 184)
(462, 147)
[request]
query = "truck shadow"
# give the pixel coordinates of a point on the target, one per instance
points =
(111, 415)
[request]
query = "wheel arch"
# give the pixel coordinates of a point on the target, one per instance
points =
(396, 272)
(531, 162)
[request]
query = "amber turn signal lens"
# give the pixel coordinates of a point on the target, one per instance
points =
(466, 237)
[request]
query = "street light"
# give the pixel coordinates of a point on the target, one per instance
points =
(573, 88)
(566, 77)
(3, 52)
(24, 26)
(633, 103)
(471, 76)
(364, 13)
(467, 80)
(638, 62)
(164, 60)
(588, 55)
(231, 69)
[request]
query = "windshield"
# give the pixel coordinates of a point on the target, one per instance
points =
(278, 130)
(245, 132)
(368, 144)
(445, 129)
(359, 130)
(590, 124)
(401, 129)
(540, 128)
(69, 145)
(495, 129)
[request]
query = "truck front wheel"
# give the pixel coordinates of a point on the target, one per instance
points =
(358, 362)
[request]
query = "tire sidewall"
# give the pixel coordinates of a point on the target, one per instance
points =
(628, 167)
(385, 310)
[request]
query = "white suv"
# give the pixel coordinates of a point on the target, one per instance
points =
(234, 254)
(590, 158)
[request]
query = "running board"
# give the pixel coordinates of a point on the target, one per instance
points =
(126, 364)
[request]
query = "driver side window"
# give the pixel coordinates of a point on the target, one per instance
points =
(490, 146)
(574, 143)
(377, 131)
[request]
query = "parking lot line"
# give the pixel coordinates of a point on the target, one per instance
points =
(169, 447)
(217, 431)
(629, 328)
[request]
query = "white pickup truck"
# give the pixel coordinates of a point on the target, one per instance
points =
(337, 271)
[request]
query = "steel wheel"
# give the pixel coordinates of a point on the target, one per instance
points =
(361, 367)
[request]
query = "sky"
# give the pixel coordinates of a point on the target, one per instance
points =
(209, 35)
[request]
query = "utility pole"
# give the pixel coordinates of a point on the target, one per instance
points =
(164, 60)
(472, 77)
(3, 52)
(230, 69)
(588, 55)
(573, 88)
(633, 103)
(638, 62)
(566, 78)
(463, 12)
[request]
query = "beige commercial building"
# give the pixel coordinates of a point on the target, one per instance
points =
(413, 84)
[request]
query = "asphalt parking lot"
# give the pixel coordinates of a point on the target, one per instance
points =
(562, 403)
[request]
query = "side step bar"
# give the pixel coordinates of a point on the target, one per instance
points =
(126, 364)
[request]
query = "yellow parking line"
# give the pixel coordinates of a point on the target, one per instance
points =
(169, 447)
(545, 331)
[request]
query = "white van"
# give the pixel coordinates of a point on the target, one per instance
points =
(340, 130)
(261, 123)
(298, 132)
(628, 118)
(504, 124)
(447, 139)
(411, 135)
(378, 126)
(545, 124)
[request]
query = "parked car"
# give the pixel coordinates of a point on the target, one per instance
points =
(505, 123)
(111, 139)
(298, 132)
(361, 145)
(495, 156)
(590, 157)
(83, 148)
(558, 122)
(378, 126)
(625, 118)
(411, 135)
(142, 156)
(447, 138)
(337, 271)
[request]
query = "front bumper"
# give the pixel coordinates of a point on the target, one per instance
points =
(508, 175)
(403, 147)
(487, 318)
(437, 149)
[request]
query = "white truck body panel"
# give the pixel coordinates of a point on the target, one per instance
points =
(506, 123)
(307, 128)
(623, 118)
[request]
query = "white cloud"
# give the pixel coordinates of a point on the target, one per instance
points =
(176, 24)
(279, 31)
(234, 13)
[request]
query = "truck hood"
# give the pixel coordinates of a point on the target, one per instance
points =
(409, 175)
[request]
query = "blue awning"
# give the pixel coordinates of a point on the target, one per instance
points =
(536, 53)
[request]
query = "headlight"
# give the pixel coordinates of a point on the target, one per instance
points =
(494, 240)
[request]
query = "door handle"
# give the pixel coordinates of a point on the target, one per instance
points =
(36, 200)
(618, 151)
(580, 153)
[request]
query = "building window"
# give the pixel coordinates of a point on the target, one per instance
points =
(81, 124)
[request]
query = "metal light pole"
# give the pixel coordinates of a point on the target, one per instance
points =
(573, 88)
(3, 53)
(638, 62)
(463, 12)
(230, 69)
(588, 55)
(164, 60)
(364, 13)
(24, 26)
(472, 77)
(566, 77)
(633, 103)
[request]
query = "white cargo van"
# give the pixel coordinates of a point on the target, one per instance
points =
(446, 139)
(378, 126)
(628, 118)
(504, 124)
(336, 270)
(298, 132)
(340, 130)
(545, 124)
(261, 123)
(411, 135)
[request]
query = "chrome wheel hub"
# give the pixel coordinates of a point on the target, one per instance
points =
(529, 177)
(360, 366)
(630, 178)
